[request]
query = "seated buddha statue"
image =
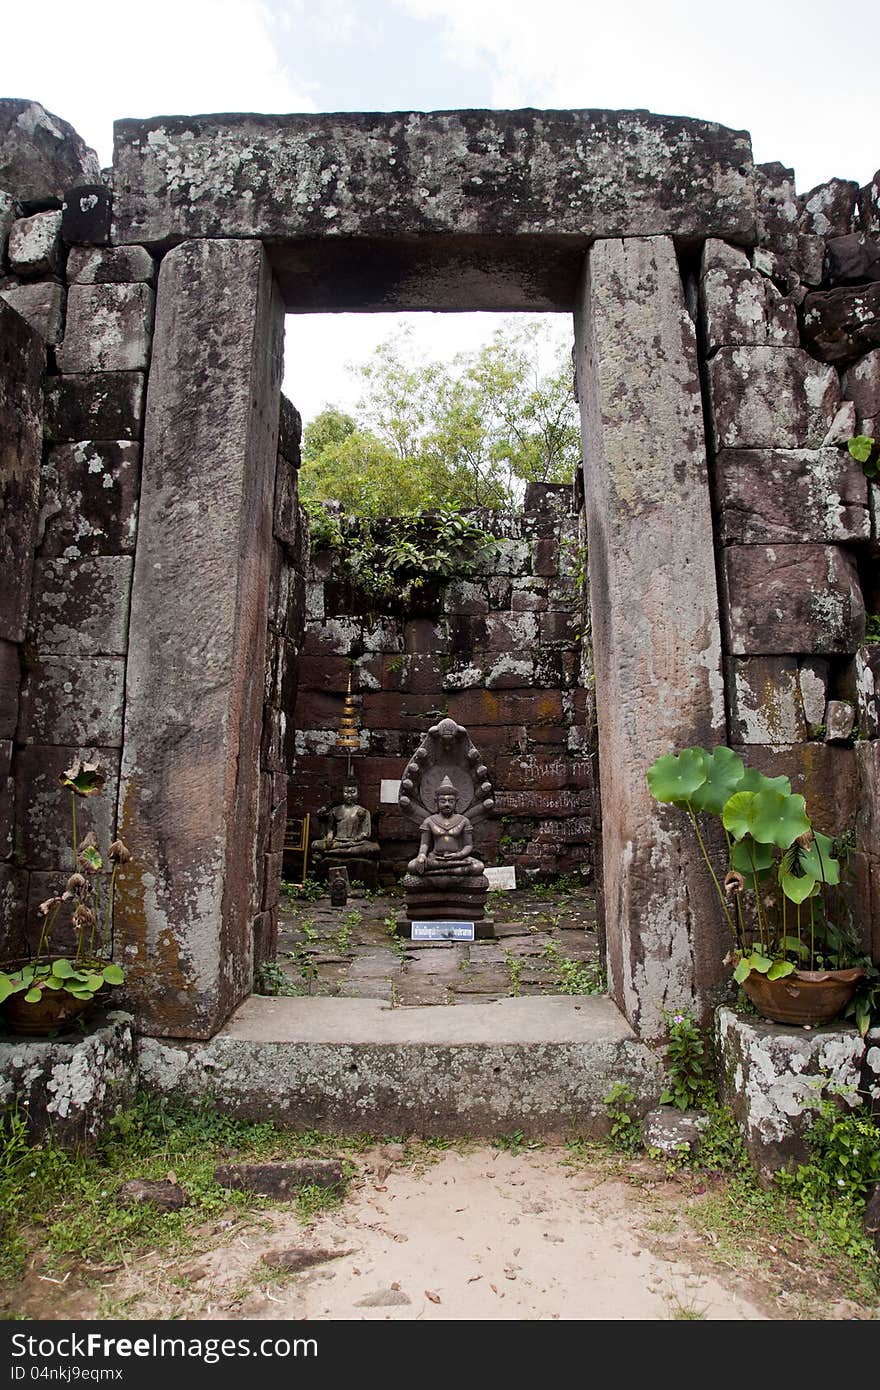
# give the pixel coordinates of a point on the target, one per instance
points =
(348, 836)
(447, 839)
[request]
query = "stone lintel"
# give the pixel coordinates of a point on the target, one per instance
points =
(353, 193)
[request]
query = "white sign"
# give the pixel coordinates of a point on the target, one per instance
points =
(389, 790)
(502, 877)
(442, 931)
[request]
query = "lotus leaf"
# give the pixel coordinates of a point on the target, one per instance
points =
(84, 778)
(724, 772)
(755, 781)
(797, 886)
(819, 861)
(675, 777)
(779, 969)
(770, 817)
(747, 856)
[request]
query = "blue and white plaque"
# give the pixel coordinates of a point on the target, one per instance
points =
(442, 931)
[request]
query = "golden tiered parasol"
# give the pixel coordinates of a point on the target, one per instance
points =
(348, 736)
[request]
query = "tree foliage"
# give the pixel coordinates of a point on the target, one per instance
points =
(429, 434)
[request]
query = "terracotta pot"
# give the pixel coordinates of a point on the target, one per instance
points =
(50, 1014)
(53, 1012)
(805, 996)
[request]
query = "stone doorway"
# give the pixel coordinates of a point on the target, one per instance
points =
(476, 210)
(597, 214)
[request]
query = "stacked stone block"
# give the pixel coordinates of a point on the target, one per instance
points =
(22, 360)
(290, 544)
(502, 654)
(73, 699)
(790, 335)
(80, 310)
(73, 577)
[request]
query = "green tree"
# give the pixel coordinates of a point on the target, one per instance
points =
(332, 426)
(469, 433)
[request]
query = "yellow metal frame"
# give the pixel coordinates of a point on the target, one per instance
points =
(296, 840)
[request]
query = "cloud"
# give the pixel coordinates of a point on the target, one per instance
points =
(766, 68)
(172, 57)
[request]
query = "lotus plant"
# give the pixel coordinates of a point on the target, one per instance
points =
(88, 898)
(772, 852)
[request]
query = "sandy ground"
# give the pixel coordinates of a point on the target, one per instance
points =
(492, 1236)
(473, 1234)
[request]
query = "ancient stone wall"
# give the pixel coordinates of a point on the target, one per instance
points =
(22, 360)
(502, 653)
(89, 309)
(790, 338)
(80, 310)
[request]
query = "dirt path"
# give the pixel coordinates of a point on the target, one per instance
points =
(461, 1234)
(492, 1236)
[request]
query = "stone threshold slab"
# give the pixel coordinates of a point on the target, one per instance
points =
(359, 1066)
(349, 1022)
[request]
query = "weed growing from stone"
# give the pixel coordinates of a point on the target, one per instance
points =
(559, 886)
(307, 926)
(270, 978)
(308, 969)
(515, 965)
(343, 936)
(308, 891)
(397, 942)
(844, 1162)
(685, 1311)
(516, 1142)
(689, 1064)
(625, 1131)
(360, 890)
(572, 976)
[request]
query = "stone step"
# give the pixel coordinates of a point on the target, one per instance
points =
(539, 1064)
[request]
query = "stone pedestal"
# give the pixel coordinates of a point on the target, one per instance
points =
(773, 1077)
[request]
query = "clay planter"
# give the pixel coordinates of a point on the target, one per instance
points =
(804, 997)
(54, 1012)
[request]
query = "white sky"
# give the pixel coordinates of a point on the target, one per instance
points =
(801, 77)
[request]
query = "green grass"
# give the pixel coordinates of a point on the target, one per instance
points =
(741, 1219)
(64, 1204)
